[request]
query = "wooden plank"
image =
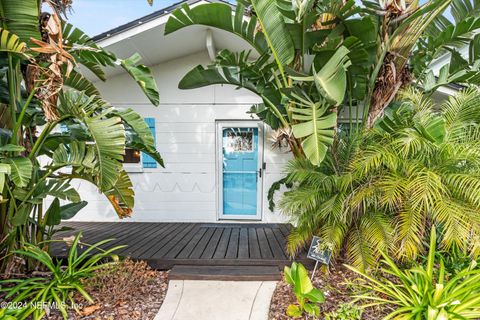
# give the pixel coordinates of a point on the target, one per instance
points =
(165, 245)
(105, 231)
(225, 273)
(282, 240)
(124, 235)
(178, 237)
(232, 250)
(285, 229)
(149, 236)
(263, 244)
(165, 264)
(222, 246)
(161, 240)
(274, 245)
(187, 250)
(80, 226)
(253, 247)
(154, 238)
(121, 238)
(212, 244)
(181, 244)
(243, 244)
(202, 244)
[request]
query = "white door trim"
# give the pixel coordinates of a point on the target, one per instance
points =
(219, 125)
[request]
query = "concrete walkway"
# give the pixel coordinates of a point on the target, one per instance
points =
(217, 300)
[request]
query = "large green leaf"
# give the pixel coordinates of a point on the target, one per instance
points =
(10, 42)
(52, 215)
(143, 76)
(86, 166)
(21, 170)
(57, 188)
(4, 171)
(275, 31)
(78, 82)
(106, 131)
(21, 214)
(20, 18)
(303, 284)
(68, 211)
(139, 135)
(218, 15)
(235, 69)
(121, 195)
(77, 154)
(411, 29)
(331, 80)
(109, 137)
(315, 125)
(467, 74)
(86, 51)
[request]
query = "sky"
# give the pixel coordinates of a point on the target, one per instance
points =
(97, 16)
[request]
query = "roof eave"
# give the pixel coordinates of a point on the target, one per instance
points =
(148, 18)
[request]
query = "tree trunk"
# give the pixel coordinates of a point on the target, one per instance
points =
(387, 85)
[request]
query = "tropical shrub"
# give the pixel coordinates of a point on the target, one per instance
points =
(314, 58)
(424, 291)
(37, 293)
(381, 189)
(345, 311)
(307, 296)
(43, 92)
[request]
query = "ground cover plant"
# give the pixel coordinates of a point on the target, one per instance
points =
(425, 291)
(307, 296)
(34, 295)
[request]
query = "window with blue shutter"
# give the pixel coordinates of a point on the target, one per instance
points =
(147, 161)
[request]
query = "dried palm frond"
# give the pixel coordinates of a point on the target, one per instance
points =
(282, 138)
(60, 6)
(49, 79)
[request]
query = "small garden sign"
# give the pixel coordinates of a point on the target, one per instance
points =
(320, 251)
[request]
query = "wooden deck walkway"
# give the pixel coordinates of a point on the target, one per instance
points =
(165, 245)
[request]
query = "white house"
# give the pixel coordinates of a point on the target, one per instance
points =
(200, 182)
(219, 164)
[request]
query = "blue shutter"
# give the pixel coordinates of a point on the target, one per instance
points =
(147, 161)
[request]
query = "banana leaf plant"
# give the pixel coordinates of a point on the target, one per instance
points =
(366, 52)
(42, 90)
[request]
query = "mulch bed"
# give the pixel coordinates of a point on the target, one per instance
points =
(127, 291)
(338, 287)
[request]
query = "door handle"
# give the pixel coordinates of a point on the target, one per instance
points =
(260, 172)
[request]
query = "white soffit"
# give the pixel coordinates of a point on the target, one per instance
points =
(149, 41)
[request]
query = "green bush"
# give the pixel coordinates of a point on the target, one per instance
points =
(426, 291)
(346, 311)
(383, 188)
(307, 296)
(33, 294)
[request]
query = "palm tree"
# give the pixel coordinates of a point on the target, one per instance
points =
(417, 167)
(44, 90)
(307, 45)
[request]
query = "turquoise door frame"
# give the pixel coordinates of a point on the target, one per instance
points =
(239, 146)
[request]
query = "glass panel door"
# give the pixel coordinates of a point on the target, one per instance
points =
(239, 172)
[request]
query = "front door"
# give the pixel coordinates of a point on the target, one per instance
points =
(239, 170)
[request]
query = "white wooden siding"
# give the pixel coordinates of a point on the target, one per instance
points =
(185, 189)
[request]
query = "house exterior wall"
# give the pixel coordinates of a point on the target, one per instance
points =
(185, 190)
